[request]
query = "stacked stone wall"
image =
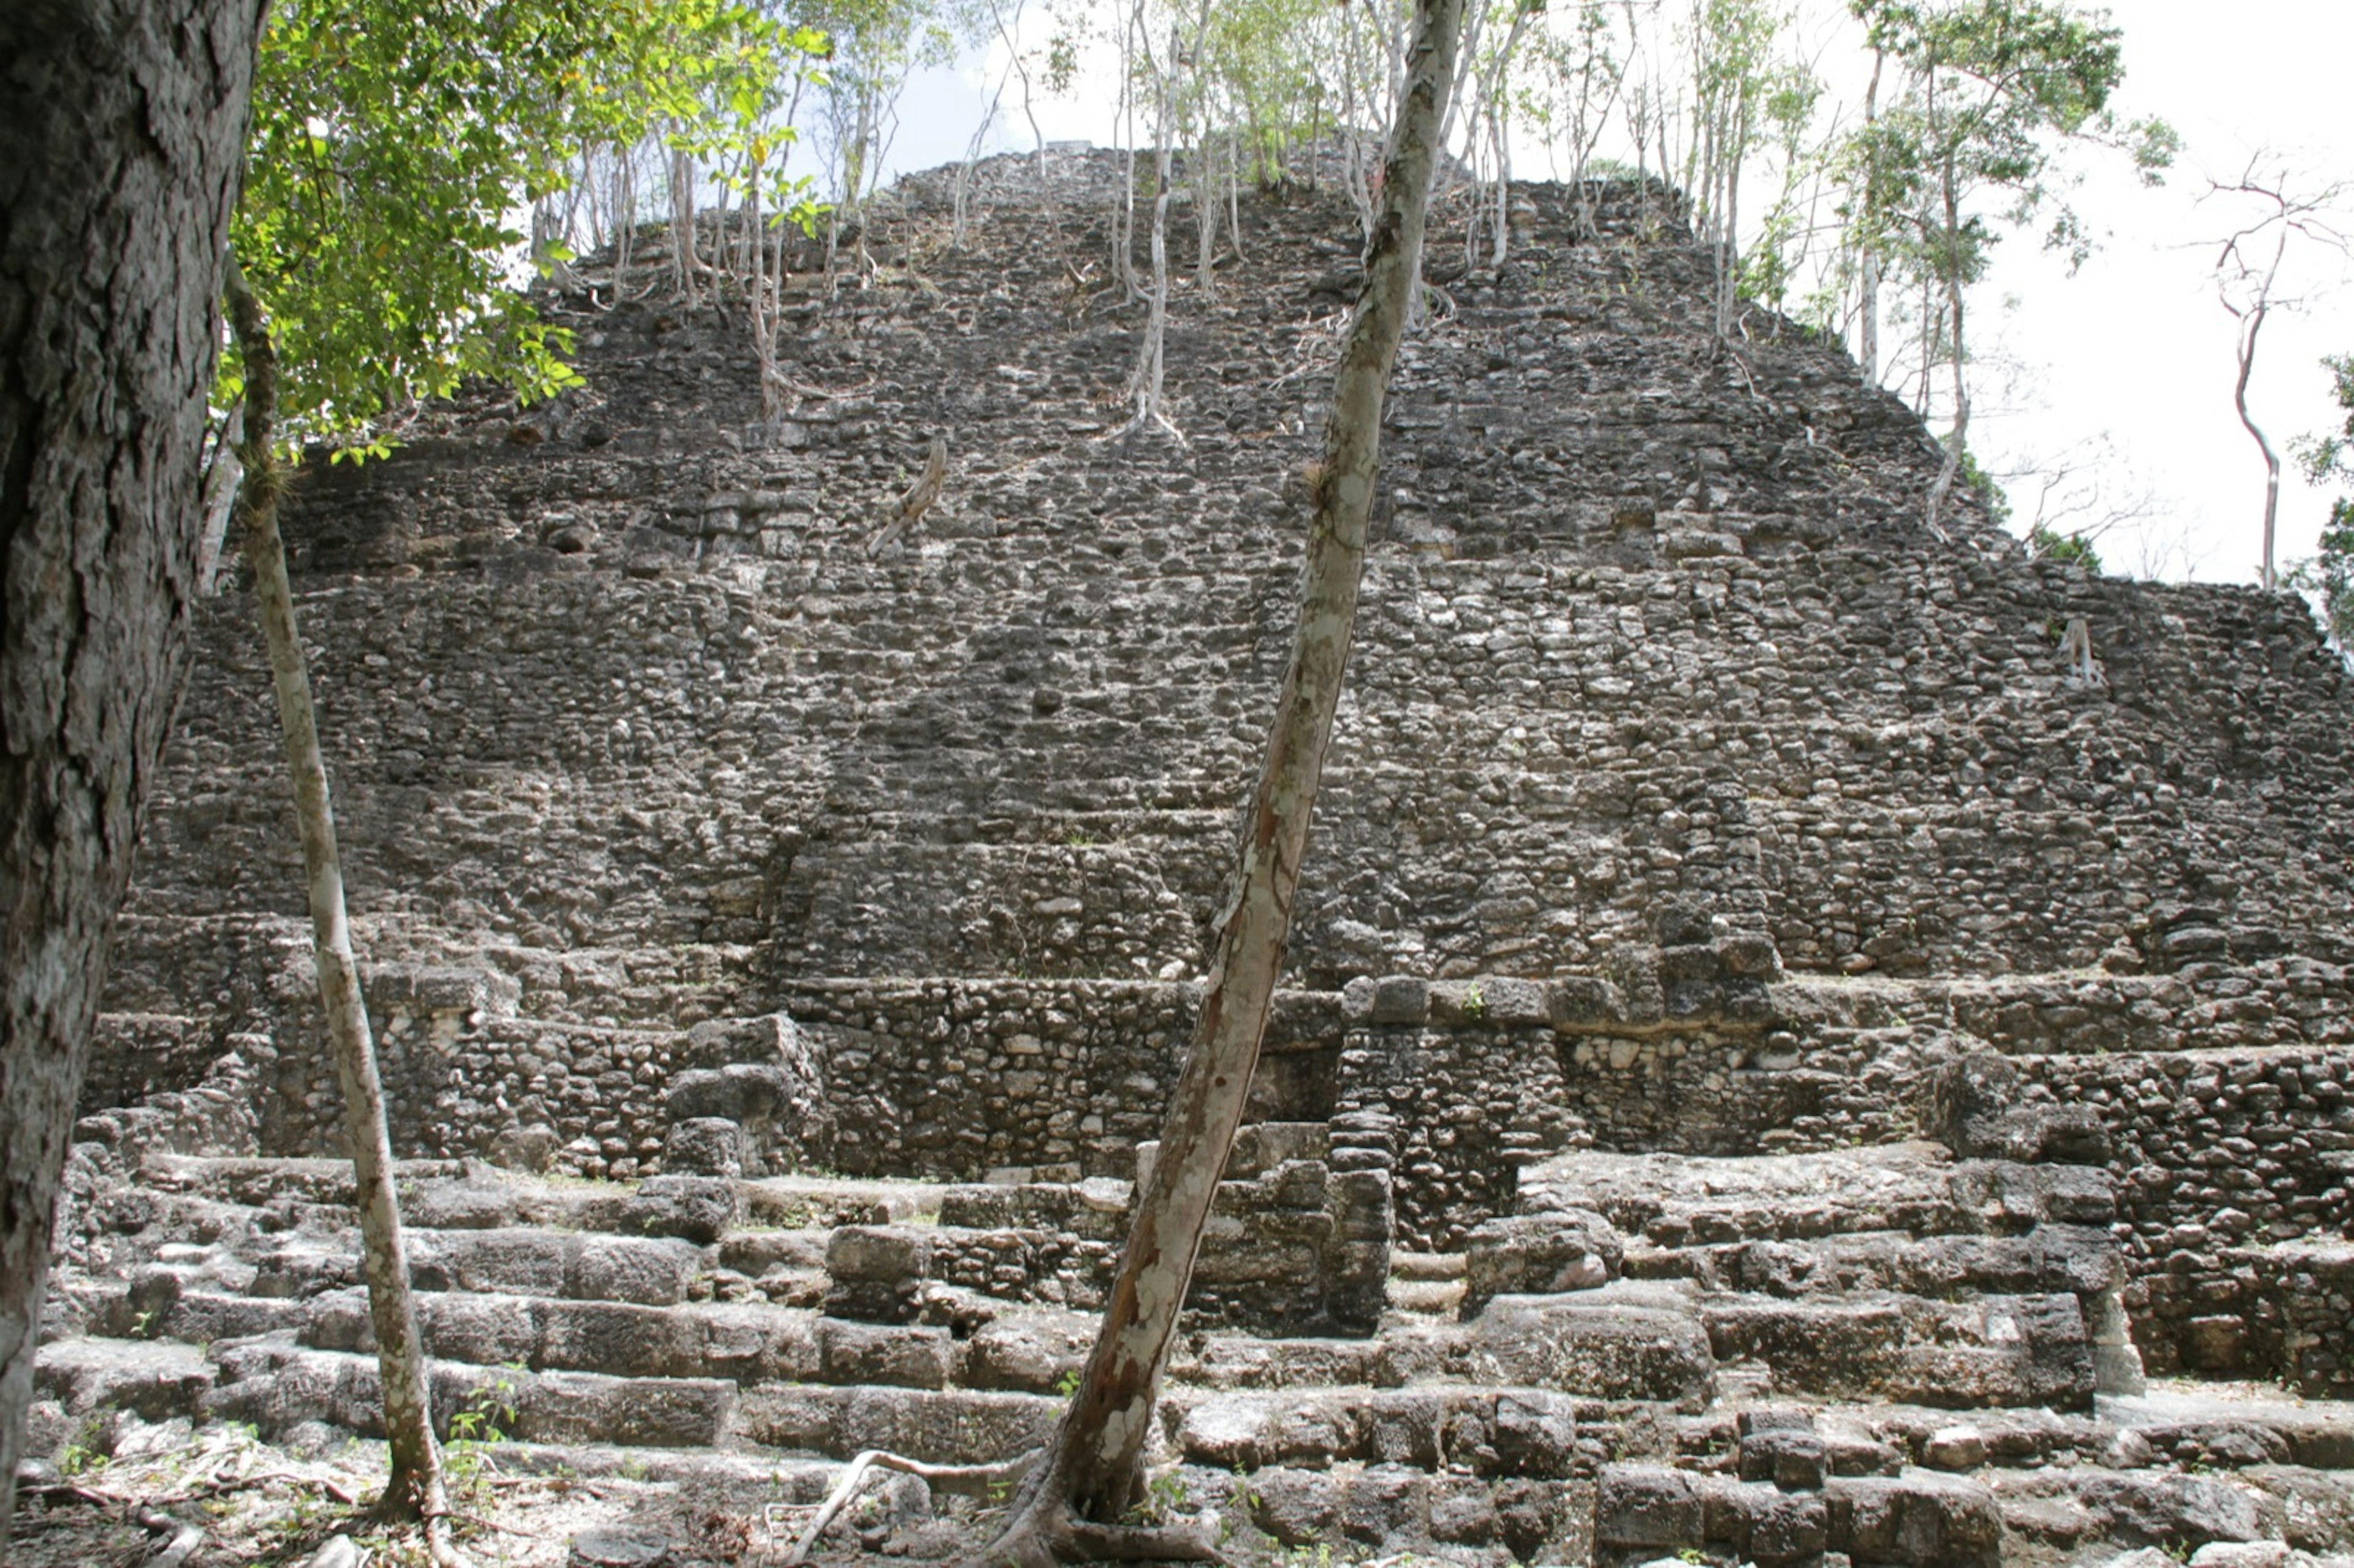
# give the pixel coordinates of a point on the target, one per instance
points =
(2224, 1159)
(1710, 801)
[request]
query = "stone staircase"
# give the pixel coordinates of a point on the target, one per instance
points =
(1890, 1352)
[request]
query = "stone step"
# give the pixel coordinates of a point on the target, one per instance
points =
(1679, 1201)
(276, 1384)
(1993, 1351)
(1644, 1513)
(466, 1195)
(1488, 1431)
(2079, 1259)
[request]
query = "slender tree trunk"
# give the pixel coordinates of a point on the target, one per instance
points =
(415, 1489)
(2251, 324)
(625, 214)
(1148, 382)
(123, 128)
(1868, 266)
(685, 262)
(1957, 441)
(1123, 224)
(1728, 282)
(1089, 1471)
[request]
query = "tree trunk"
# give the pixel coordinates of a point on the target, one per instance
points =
(121, 130)
(415, 1489)
(1867, 282)
(1089, 1471)
(1957, 441)
(684, 261)
(2251, 324)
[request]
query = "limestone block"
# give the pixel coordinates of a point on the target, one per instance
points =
(617, 1338)
(1918, 1518)
(650, 1271)
(2159, 1506)
(1793, 1458)
(899, 1355)
(1630, 1347)
(1382, 1504)
(580, 1407)
(1645, 1505)
(705, 1146)
(1031, 1353)
(698, 1209)
(755, 1343)
(1535, 1434)
(1298, 1507)
(1537, 1255)
(490, 1332)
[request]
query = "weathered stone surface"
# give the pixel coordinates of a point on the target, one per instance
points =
(1644, 1505)
(1632, 1345)
(705, 1146)
(1919, 1518)
(1541, 1254)
(619, 1549)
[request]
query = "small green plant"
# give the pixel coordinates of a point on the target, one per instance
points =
(1164, 1499)
(1246, 1496)
(77, 1460)
(143, 1327)
(487, 1419)
(1068, 1383)
(1691, 1555)
(1475, 1002)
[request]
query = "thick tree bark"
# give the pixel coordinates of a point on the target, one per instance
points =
(415, 1489)
(1089, 1472)
(121, 129)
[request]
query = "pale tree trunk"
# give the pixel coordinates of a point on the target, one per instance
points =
(1728, 282)
(121, 130)
(415, 1489)
(2251, 323)
(1868, 270)
(1123, 219)
(685, 263)
(1957, 441)
(1148, 382)
(1089, 1472)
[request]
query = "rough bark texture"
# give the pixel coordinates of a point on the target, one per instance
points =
(122, 123)
(415, 1487)
(1090, 1471)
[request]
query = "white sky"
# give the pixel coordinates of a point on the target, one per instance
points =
(2123, 372)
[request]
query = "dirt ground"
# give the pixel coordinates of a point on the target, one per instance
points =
(255, 1504)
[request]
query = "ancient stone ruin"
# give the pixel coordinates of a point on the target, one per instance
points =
(1787, 1063)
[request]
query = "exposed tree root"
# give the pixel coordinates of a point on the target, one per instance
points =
(439, 1546)
(181, 1538)
(968, 1480)
(1145, 419)
(1043, 1534)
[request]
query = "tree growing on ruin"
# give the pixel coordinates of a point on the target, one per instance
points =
(1989, 90)
(2251, 284)
(367, 273)
(1074, 1492)
(121, 125)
